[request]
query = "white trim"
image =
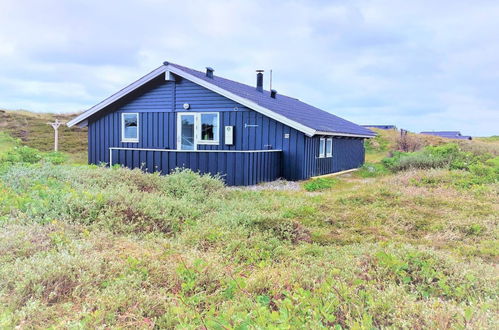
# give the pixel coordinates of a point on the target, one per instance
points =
(123, 138)
(148, 77)
(330, 153)
(179, 129)
(197, 129)
(176, 150)
(250, 104)
(322, 151)
(334, 174)
(168, 69)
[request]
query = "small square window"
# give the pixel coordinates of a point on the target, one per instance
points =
(129, 127)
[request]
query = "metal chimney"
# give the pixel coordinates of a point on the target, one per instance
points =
(259, 80)
(209, 72)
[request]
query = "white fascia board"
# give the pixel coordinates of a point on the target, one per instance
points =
(343, 134)
(148, 77)
(250, 104)
(82, 124)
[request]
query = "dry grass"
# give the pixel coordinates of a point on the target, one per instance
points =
(32, 129)
(405, 250)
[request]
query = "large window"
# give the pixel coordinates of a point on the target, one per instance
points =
(209, 128)
(129, 127)
(195, 128)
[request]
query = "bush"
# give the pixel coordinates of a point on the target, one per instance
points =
(22, 154)
(30, 155)
(121, 200)
(447, 156)
(55, 157)
(376, 144)
(408, 142)
(370, 170)
(320, 184)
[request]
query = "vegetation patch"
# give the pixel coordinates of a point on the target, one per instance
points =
(94, 247)
(320, 184)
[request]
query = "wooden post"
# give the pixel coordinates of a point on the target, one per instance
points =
(55, 125)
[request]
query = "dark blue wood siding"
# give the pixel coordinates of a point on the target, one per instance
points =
(235, 168)
(348, 153)
(158, 102)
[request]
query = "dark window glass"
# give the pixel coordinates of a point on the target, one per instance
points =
(209, 127)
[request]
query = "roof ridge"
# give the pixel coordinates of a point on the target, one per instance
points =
(266, 91)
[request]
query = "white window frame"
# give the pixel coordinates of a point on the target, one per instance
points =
(179, 129)
(123, 138)
(322, 147)
(330, 142)
(197, 129)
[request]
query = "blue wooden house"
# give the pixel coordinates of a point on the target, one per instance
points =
(179, 117)
(386, 127)
(448, 135)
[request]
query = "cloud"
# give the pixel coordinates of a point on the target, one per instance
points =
(419, 65)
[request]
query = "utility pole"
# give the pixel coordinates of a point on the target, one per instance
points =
(55, 125)
(270, 87)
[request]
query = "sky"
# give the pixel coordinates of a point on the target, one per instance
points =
(420, 65)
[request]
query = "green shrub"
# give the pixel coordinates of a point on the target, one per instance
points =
(25, 154)
(427, 275)
(376, 144)
(320, 184)
(447, 156)
(121, 200)
(22, 154)
(370, 170)
(55, 158)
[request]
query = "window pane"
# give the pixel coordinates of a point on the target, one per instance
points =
(321, 148)
(209, 127)
(187, 132)
(329, 147)
(130, 124)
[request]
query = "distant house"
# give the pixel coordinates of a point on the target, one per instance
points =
(381, 126)
(449, 135)
(179, 117)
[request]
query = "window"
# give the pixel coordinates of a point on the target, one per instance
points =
(195, 128)
(322, 148)
(329, 147)
(209, 128)
(129, 127)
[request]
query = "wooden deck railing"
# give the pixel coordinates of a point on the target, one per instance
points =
(237, 167)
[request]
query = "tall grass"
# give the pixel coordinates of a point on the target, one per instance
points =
(93, 247)
(96, 247)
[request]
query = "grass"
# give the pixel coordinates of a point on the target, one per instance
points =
(32, 130)
(86, 246)
(93, 247)
(320, 184)
(7, 142)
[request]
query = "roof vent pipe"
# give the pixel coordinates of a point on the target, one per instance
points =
(273, 93)
(209, 72)
(259, 80)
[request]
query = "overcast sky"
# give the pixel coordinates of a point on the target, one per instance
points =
(421, 65)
